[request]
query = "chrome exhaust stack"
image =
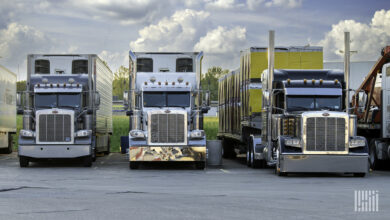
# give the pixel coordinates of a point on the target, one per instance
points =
(271, 65)
(347, 57)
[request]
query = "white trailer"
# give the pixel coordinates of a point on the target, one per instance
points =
(7, 109)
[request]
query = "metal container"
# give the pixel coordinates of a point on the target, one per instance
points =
(214, 149)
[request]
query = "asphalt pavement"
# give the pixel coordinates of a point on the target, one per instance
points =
(109, 190)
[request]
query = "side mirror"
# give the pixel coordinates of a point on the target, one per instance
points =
(126, 98)
(129, 113)
(204, 110)
(97, 99)
(207, 98)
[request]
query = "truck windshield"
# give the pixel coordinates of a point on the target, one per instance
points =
(166, 99)
(299, 103)
(71, 100)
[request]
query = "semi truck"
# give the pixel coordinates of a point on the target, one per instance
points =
(302, 124)
(67, 109)
(166, 108)
(7, 109)
(371, 103)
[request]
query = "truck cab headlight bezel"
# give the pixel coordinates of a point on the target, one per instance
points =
(27, 133)
(83, 133)
(293, 142)
(355, 142)
(138, 134)
(197, 134)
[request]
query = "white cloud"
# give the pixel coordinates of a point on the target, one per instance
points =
(254, 4)
(17, 40)
(284, 3)
(115, 59)
(222, 46)
(126, 11)
(367, 39)
(222, 40)
(176, 33)
(220, 4)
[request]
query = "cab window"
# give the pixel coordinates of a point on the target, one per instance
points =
(42, 67)
(144, 65)
(79, 66)
(184, 65)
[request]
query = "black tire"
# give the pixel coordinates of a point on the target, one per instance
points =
(200, 165)
(133, 165)
(359, 174)
(87, 161)
(108, 147)
(23, 161)
(93, 155)
(228, 149)
(375, 163)
(248, 157)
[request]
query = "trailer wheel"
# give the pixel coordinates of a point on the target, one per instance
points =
(133, 165)
(87, 161)
(23, 161)
(373, 158)
(200, 165)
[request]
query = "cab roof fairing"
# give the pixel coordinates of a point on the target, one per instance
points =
(164, 77)
(81, 79)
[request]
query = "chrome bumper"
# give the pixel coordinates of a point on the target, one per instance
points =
(167, 153)
(324, 163)
(54, 151)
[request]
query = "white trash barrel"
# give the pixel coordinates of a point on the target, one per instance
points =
(214, 150)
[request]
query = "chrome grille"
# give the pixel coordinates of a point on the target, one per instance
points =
(167, 128)
(54, 128)
(325, 134)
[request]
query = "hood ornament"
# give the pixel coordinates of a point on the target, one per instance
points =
(325, 114)
(167, 111)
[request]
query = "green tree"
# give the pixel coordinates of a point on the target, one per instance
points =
(21, 86)
(120, 82)
(210, 81)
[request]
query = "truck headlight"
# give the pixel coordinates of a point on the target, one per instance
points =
(197, 134)
(357, 142)
(137, 134)
(83, 133)
(27, 133)
(293, 142)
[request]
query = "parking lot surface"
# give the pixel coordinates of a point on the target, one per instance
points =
(109, 190)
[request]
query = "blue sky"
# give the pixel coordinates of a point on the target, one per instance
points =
(221, 28)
